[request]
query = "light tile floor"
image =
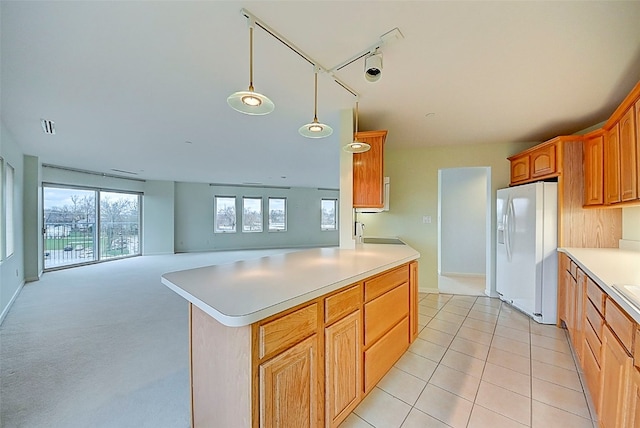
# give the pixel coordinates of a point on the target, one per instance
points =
(479, 363)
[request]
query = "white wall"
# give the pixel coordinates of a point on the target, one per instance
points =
(158, 218)
(33, 245)
(463, 220)
(12, 267)
(194, 218)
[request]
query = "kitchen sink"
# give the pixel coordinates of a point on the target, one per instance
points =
(393, 241)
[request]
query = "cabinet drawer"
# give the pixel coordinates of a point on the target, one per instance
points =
(383, 354)
(284, 332)
(592, 375)
(385, 282)
(596, 295)
(620, 323)
(573, 269)
(384, 312)
(342, 304)
(594, 318)
(592, 339)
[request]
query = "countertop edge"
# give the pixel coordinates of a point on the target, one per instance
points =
(248, 319)
(621, 300)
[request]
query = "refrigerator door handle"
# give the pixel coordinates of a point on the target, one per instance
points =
(507, 227)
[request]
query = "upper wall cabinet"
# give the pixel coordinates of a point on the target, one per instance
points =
(593, 155)
(537, 163)
(368, 171)
(612, 165)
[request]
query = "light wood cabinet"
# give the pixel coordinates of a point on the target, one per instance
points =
(612, 165)
(628, 157)
(288, 388)
(616, 368)
(520, 172)
(413, 301)
(543, 161)
(637, 120)
(579, 314)
(594, 169)
(343, 368)
(368, 171)
(633, 410)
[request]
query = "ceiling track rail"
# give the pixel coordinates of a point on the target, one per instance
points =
(279, 37)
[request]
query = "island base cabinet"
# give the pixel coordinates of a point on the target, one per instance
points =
(383, 354)
(616, 368)
(633, 412)
(343, 368)
(289, 388)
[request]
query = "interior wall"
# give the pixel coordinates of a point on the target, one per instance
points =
(158, 218)
(12, 267)
(631, 223)
(462, 220)
(414, 194)
(194, 218)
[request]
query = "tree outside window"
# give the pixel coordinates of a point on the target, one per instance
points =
(277, 214)
(329, 217)
(252, 214)
(225, 214)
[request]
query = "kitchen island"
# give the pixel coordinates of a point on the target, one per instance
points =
(296, 339)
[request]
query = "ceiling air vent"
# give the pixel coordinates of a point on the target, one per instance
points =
(48, 127)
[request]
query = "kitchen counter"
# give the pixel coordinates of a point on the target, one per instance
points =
(241, 293)
(609, 266)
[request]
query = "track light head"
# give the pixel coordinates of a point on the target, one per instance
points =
(373, 67)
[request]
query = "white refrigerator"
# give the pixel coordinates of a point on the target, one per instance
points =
(527, 239)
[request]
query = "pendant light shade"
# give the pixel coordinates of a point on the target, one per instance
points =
(356, 146)
(250, 102)
(315, 129)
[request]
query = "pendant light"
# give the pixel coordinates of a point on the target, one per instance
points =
(356, 146)
(315, 129)
(250, 102)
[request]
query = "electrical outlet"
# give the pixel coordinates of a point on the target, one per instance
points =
(426, 219)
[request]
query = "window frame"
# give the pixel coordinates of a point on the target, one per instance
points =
(335, 208)
(9, 206)
(261, 214)
(269, 228)
(216, 229)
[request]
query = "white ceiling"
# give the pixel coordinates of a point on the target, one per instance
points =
(129, 83)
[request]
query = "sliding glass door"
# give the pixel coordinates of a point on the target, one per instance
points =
(87, 225)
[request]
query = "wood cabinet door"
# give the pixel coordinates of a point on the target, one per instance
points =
(289, 388)
(628, 162)
(520, 169)
(368, 171)
(633, 411)
(637, 123)
(343, 368)
(543, 161)
(612, 166)
(413, 301)
(563, 276)
(616, 366)
(593, 170)
(580, 315)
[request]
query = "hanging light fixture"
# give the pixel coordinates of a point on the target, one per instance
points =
(356, 146)
(315, 129)
(250, 102)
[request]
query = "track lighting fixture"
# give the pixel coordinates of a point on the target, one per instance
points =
(315, 129)
(373, 67)
(250, 102)
(356, 146)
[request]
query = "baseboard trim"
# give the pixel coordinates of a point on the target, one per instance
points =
(464, 275)
(5, 311)
(429, 290)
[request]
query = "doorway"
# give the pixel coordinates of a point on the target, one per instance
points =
(84, 225)
(464, 225)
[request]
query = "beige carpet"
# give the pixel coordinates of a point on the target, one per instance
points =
(101, 346)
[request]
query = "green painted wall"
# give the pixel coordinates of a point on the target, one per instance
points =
(414, 194)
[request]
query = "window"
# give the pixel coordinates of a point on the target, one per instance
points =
(9, 211)
(83, 225)
(224, 214)
(1, 207)
(252, 214)
(329, 217)
(277, 214)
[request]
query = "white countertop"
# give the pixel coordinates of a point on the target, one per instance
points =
(609, 266)
(241, 293)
